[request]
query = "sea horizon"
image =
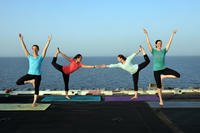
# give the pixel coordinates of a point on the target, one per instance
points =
(12, 68)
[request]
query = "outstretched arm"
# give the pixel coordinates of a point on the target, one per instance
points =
(108, 66)
(88, 66)
(103, 66)
(23, 45)
(148, 41)
(170, 40)
(46, 46)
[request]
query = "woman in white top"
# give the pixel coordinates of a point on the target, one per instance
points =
(133, 69)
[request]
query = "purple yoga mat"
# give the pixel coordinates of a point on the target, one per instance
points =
(128, 98)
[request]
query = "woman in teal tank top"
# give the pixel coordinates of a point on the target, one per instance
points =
(160, 70)
(35, 61)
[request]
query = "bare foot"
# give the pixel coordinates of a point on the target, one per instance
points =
(67, 97)
(142, 50)
(57, 51)
(34, 105)
(161, 104)
(30, 82)
(33, 83)
(135, 97)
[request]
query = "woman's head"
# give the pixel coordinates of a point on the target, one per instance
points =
(78, 57)
(121, 58)
(158, 44)
(35, 48)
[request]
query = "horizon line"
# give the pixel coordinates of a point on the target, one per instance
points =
(103, 56)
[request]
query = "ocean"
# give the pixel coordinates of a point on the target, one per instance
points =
(110, 78)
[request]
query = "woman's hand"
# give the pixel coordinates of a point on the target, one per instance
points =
(101, 66)
(20, 36)
(174, 32)
(145, 31)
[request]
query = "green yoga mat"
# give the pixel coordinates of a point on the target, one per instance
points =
(23, 107)
(72, 99)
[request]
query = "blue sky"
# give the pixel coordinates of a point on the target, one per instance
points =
(99, 27)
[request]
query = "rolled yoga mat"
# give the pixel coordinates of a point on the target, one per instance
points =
(128, 98)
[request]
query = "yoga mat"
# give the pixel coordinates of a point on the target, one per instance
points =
(128, 98)
(175, 104)
(72, 99)
(22, 107)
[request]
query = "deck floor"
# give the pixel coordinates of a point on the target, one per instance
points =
(100, 117)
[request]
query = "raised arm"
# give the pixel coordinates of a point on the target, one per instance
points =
(137, 52)
(64, 56)
(23, 45)
(129, 58)
(46, 46)
(148, 41)
(170, 40)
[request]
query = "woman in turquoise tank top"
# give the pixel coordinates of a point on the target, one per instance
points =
(160, 70)
(35, 61)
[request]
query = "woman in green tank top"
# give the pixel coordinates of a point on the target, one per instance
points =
(160, 70)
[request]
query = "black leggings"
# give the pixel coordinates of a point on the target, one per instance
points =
(166, 71)
(27, 77)
(140, 67)
(65, 76)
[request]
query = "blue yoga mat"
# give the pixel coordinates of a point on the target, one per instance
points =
(175, 104)
(72, 99)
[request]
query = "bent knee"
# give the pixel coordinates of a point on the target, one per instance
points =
(178, 75)
(148, 61)
(19, 82)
